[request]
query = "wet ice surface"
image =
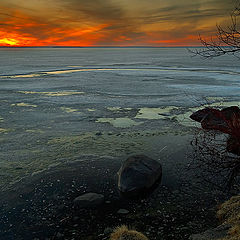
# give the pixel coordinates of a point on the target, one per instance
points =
(75, 114)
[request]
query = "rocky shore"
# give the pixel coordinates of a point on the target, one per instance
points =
(46, 206)
(58, 193)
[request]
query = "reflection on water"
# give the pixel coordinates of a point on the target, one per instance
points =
(53, 94)
(169, 69)
(220, 167)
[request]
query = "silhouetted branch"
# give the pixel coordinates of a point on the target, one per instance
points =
(226, 41)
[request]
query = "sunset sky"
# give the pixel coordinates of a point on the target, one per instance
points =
(109, 22)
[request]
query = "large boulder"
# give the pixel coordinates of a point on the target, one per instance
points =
(138, 174)
(226, 120)
(210, 119)
(89, 200)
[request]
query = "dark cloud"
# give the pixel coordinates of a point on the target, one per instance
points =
(187, 11)
(102, 10)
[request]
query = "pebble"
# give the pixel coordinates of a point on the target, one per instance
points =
(122, 211)
(89, 200)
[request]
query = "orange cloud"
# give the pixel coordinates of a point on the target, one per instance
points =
(22, 30)
(108, 22)
(8, 42)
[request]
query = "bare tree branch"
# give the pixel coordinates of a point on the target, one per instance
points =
(226, 40)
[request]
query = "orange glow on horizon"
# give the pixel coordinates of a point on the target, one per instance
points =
(88, 38)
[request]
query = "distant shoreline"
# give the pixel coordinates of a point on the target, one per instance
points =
(98, 47)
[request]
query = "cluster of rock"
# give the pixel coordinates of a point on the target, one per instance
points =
(137, 174)
(226, 120)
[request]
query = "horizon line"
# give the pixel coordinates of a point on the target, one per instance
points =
(100, 46)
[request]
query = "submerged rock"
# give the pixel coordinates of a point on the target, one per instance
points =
(138, 173)
(89, 200)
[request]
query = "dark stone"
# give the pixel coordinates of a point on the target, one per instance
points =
(99, 134)
(89, 200)
(122, 211)
(138, 174)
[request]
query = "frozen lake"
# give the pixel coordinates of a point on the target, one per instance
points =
(60, 106)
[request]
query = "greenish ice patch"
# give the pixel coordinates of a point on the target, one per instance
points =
(22, 104)
(222, 104)
(69, 110)
(124, 122)
(179, 114)
(215, 99)
(34, 131)
(118, 109)
(155, 113)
